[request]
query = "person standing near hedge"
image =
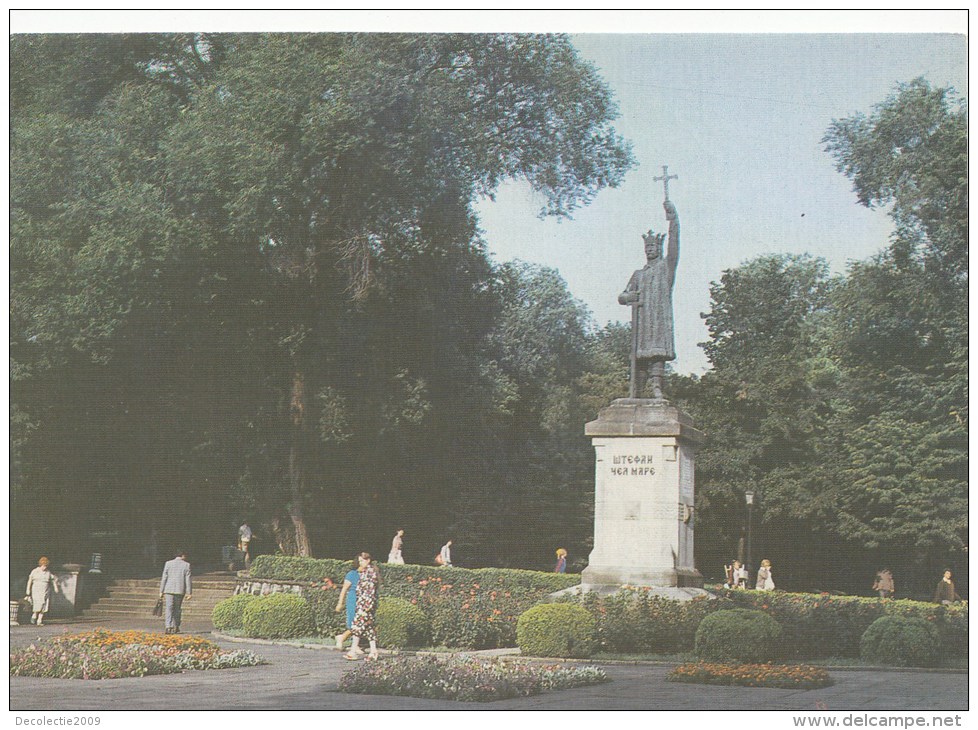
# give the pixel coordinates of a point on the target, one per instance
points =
(764, 580)
(175, 586)
(40, 584)
(884, 583)
(945, 593)
(395, 556)
(348, 594)
(244, 541)
(444, 556)
(364, 624)
(561, 566)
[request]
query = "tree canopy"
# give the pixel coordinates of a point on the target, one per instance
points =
(842, 402)
(246, 271)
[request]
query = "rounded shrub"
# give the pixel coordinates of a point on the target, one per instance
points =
(227, 615)
(401, 624)
(556, 630)
(901, 641)
(278, 616)
(738, 636)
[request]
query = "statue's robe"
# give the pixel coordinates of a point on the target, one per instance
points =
(655, 340)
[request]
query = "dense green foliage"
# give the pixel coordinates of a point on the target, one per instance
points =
(738, 636)
(842, 402)
(819, 626)
(229, 613)
(398, 578)
(900, 641)
(246, 279)
(278, 616)
(556, 630)
(401, 624)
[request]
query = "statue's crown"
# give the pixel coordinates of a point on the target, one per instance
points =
(656, 238)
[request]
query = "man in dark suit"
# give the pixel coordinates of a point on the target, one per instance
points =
(174, 587)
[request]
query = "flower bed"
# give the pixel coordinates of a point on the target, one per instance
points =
(795, 676)
(103, 654)
(464, 678)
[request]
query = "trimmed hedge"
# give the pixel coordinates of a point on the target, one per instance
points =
(322, 602)
(401, 624)
(820, 625)
(478, 609)
(902, 642)
(228, 614)
(279, 567)
(738, 636)
(467, 609)
(278, 616)
(282, 567)
(556, 630)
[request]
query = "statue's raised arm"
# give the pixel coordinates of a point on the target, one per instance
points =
(672, 251)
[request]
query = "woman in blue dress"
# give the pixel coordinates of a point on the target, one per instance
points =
(349, 593)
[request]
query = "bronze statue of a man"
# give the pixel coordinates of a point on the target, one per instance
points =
(649, 292)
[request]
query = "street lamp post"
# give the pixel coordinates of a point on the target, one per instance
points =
(749, 496)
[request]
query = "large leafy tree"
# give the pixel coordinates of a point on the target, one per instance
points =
(763, 403)
(899, 330)
(843, 403)
(281, 228)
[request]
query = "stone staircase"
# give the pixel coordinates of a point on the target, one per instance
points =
(135, 598)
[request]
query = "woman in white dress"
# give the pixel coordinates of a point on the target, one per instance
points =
(40, 584)
(764, 580)
(395, 554)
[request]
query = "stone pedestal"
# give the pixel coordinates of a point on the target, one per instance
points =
(643, 499)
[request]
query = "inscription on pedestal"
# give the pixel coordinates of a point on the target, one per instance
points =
(643, 497)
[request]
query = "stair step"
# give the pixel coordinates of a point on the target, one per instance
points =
(137, 597)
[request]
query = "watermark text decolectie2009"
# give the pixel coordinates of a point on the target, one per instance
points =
(72, 721)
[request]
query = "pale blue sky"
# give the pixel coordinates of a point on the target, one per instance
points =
(739, 118)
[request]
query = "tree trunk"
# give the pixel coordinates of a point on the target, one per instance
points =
(296, 473)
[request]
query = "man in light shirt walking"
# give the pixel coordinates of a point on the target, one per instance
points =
(175, 586)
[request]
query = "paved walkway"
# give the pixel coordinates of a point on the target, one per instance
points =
(306, 679)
